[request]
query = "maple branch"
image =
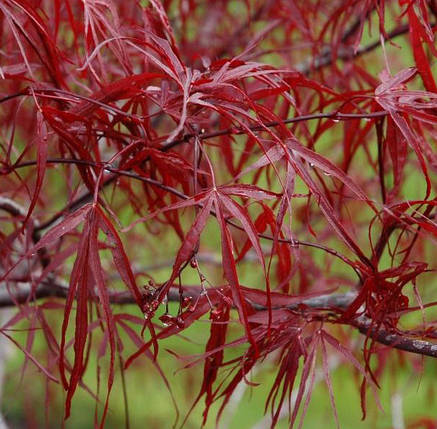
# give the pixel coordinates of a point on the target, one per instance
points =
(17, 211)
(336, 301)
(344, 53)
(22, 292)
(347, 53)
(116, 171)
(11, 207)
(396, 340)
(334, 115)
(25, 293)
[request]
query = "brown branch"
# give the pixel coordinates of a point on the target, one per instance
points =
(11, 207)
(24, 293)
(348, 53)
(17, 211)
(326, 58)
(153, 182)
(395, 340)
(334, 115)
(335, 301)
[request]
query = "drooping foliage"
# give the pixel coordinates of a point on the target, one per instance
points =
(296, 139)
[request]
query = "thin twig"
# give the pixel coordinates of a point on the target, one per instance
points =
(116, 171)
(334, 115)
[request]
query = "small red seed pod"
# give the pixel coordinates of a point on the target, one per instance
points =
(167, 319)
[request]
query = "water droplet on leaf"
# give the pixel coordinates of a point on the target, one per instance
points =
(167, 319)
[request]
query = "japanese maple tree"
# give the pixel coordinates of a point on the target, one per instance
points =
(292, 139)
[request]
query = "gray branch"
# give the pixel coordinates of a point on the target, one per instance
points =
(22, 292)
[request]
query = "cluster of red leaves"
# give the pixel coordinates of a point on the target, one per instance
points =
(149, 112)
